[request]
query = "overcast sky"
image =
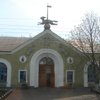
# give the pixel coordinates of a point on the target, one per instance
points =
(20, 17)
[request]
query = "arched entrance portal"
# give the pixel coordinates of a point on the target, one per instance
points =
(46, 72)
(58, 67)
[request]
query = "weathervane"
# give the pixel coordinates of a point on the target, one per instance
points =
(46, 22)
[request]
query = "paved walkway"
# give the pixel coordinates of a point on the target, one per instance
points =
(52, 94)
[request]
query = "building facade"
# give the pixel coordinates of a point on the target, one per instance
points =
(45, 60)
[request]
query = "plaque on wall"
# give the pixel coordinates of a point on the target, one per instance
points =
(22, 59)
(70, 60)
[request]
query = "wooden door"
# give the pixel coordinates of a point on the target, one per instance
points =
(46, 75)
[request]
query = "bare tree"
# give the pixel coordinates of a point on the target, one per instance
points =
(86, 37)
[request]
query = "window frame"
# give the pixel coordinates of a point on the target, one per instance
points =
(19, 71)
(73, 79)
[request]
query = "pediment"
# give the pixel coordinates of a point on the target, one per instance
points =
(47, 37)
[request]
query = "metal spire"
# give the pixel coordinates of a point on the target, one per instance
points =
(48, 6)
(47, 22)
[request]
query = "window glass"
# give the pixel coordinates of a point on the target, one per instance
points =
(70, 76)
(46, 60)
(3, 73)
(91, 76)
(22, 76)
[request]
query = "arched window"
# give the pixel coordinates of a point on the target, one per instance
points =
(91, 73)
(3, 73)
(46, 60)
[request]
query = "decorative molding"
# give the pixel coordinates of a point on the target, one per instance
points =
(30, 50)
(70, 60)
(7, 63)
(40, 35)
(19, 74)
(86, 74)
(47, 41)
(22, 59)
(73, 75)
(58, 67)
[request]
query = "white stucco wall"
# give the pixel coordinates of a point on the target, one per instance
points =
(58, 67)
(86, 74)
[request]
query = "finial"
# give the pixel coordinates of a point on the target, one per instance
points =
(47, 22)
(48, 6)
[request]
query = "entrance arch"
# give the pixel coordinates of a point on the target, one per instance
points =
(58, 67)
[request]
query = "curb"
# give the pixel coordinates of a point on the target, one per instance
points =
(6, 94)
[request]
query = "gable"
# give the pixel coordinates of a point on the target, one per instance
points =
(47, 37)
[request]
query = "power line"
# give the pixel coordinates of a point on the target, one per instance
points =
(18, 28)
(17, 25)
(24, 25)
